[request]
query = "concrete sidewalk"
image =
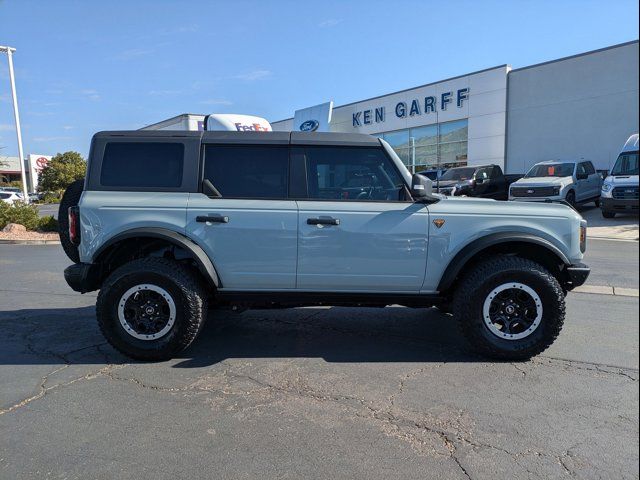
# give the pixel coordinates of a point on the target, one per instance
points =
(622, 227)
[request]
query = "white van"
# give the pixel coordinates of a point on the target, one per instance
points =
(620, 189)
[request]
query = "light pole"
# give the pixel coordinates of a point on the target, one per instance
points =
(9, 51)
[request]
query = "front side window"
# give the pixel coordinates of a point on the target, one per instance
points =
(248, 171)
(350, 173)
(627, 164)
(551, 170)
(142, 165)
(589, 168)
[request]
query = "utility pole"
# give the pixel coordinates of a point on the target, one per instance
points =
(9, 51)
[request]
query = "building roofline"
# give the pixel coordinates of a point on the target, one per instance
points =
(591, 52)
(172, 119)
(504, 65)
(624, 44)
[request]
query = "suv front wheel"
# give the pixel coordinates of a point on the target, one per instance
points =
(151, 308)
(509, 308)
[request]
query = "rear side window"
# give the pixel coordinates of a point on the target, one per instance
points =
(143, 164)
(352, 173)
(248, 171)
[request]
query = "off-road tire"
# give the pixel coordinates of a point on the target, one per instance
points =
(186, 290)
(571, 198)
(608, 214)
(476, 285)
(70, 198)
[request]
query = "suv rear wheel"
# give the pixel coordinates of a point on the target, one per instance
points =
(509, 308)
(151, 308)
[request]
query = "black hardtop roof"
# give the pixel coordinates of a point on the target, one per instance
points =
(294, 138)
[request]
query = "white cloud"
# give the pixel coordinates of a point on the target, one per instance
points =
(90, 94)
(7, 127)
(332, 22)
(254, 75)
(49, 139)
(165, 93)
(216, 101)
(133, 53)
(68, 127)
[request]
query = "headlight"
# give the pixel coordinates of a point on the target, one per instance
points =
(606, 187)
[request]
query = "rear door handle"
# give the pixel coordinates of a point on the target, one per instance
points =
(212, 219)
(323, 221)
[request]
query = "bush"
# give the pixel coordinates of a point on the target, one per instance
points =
(48, 224)
(15, 184)
(51, 197)
(21, 213)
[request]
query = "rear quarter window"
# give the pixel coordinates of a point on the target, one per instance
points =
(142, 165)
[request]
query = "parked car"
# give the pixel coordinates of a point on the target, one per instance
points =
(575, 182)
(484, 181)
(432, 175)
(620, 189)
(278, 219)
(9, 197)
(35, 196)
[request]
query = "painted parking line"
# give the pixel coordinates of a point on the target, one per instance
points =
(607, 290)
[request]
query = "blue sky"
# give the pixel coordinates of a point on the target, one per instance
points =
(84, 66)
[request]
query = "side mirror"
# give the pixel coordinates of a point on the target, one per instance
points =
(421, 187)
(582, 176)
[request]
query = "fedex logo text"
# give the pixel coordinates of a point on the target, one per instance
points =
(256, 127)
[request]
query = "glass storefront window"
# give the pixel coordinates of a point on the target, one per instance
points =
(441, 145)
(398, 139)
(454, 131)
(424, 135)
(453, 153)
(427, 155)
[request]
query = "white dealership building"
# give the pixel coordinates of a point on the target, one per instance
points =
(584, 106)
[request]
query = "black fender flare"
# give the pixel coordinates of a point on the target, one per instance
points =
(469, 251)
(205, 265)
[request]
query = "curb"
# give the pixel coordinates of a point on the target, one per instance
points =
(613, 239)
(29, 242)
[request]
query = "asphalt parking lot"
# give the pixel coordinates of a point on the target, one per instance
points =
(314, 392)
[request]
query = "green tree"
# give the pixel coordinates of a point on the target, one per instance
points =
(61, 171)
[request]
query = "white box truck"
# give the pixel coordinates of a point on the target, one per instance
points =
(213, 122)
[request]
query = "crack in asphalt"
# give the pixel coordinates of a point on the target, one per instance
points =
(44, 390)
(392, 421)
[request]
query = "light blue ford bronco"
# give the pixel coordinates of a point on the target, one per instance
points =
(170, 224)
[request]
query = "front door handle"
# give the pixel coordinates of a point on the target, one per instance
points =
(212, 219)
(323, 221)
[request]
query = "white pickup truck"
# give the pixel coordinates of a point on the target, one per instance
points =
(575, 182)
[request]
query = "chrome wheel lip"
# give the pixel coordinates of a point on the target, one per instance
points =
(490, 323)
(129, 329)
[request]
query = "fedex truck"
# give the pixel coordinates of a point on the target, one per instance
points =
(218, 121)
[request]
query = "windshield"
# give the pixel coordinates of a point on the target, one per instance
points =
(627, 164)
(4, 196)
(458, 174)
(551, 170)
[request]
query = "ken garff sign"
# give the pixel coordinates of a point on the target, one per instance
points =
(415, 107)
(309, 126)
